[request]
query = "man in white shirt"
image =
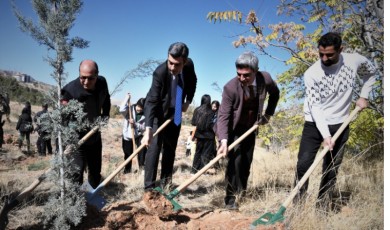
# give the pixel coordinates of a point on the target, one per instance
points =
(329, 84)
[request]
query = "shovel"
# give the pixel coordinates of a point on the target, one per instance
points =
(133, 130)
(10, 204)
(99, 202)
(272, 218)
(182, 187)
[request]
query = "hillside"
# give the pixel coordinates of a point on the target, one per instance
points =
(31, 83)
(21, 91)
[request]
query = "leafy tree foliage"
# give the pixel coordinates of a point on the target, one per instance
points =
(283, 131)
(367, 136)
(360, 23)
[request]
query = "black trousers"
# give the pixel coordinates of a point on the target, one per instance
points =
(1, 135)
(21, 139)
(310, 143)
(127, 147)
(205, 152)
(239, 164)
(42, 144)
(166, 143)
(89, 156)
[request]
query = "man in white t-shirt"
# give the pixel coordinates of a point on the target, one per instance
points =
(329, 84)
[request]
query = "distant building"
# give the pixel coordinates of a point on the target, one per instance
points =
(23, 78)
(20, 77)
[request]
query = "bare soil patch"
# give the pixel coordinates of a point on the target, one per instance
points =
(128, 207)
(128, 215)
(157, 204)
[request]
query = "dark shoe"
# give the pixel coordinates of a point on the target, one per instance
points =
(300, 198)
(166, 183)
(323, 206)
(232, 207)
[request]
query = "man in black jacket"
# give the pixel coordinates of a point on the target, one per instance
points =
(92, 90)
(173, 88)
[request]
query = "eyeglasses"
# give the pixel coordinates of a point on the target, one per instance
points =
(246, 75)
(91, 78)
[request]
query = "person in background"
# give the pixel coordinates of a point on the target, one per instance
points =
(204, 134)
(1, 131)
(91, 89)
(171, 93)
(6, 109)
(25, 126)
(134, 124)
(215, 107)
(3, 110)
(44, 140)
(189, 143)
(242, 103)
(329, 85)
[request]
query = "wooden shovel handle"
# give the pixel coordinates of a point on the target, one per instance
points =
(216, 159)
(319, 158)
(87, 136)
(121, 166)
(132, 128)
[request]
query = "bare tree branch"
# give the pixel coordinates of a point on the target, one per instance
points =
(144, 69)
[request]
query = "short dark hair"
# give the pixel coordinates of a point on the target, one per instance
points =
(330, 39)
(216, 103)
(178, 49)
(141, 102)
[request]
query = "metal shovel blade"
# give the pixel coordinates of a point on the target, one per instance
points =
(96, 200)
(270, 218)
(92, 196)
(170, 196)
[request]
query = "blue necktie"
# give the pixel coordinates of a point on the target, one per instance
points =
(179, 94)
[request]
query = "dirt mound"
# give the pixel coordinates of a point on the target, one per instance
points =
(131, 215)
(157, 203)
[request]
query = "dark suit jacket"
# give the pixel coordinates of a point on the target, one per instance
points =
(158, 99)
(232, 102)
(96, 103)
(74, 90)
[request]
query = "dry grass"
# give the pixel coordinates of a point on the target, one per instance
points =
(270, 183)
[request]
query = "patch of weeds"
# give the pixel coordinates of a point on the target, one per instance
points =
(37, 166)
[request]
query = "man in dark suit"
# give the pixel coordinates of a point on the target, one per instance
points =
(242, 106)
(91, 89)
(171, 93)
